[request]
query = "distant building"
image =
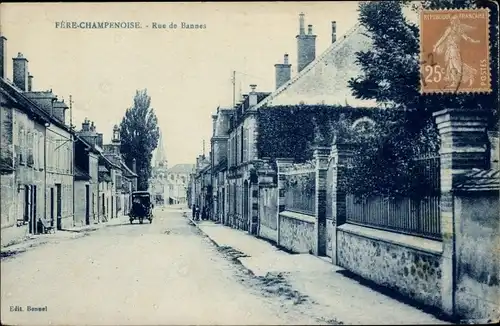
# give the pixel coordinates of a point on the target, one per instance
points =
(168, 186)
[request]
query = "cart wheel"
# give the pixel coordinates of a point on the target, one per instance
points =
(150, 220)
(141, 221)
(131, 221)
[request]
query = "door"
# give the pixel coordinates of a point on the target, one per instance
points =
(59, 206)
(103, 204)
(52, 208)
(246, 215)
(32, 224)
(223, 208)
(87, 204)
(27, 204)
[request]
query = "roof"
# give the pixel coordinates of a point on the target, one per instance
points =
(103, 160)
(182, 168)
(129, 172)
(14, 95)
(480, 180)
(102, 168)
(325, 80)
(81, 175)
(89, 146)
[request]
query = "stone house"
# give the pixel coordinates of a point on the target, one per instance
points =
(113, 154)
(123, 178)
(90, 148)
(86, 182)
(202, 180)
(219, 152)
(54, 179)
(158, 183)
(177, 182)
(129, 185)
(105, 188)
(242, 154)
(22, 166)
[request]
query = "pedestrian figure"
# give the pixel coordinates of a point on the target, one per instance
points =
(194, 212)
(197, 213)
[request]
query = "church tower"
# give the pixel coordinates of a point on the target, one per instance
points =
(160, 157)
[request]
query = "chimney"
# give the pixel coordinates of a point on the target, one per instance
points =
(21, 72)
(92, 127)
(3, 53)
(30, 82)
(99, 139)
(252, 97)
(301, 24)
(283, 71)
(214, 121)
(134, 165)
(334, 31)
(85, 124)
(306, 45)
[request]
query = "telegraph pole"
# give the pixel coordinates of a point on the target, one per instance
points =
(71, 112)
(234, 87)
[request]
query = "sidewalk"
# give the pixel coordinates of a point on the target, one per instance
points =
(29, 241)
(350, 301)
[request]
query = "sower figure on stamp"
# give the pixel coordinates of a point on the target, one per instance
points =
(456, 71)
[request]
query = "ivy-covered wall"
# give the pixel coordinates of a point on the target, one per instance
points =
(291, 131)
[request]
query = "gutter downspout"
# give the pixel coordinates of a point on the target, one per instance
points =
(45, 178)
(73, 174)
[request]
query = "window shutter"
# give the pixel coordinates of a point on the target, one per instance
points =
(245, 145)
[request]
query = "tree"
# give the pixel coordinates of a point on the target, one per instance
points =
(139, 136)
(391, 76)
(391, 68)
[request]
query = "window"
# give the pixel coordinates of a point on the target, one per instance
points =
(35, 150)
(41, 151)
(29, 149)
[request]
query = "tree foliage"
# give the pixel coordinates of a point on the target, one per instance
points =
(139, 136)
(385, 163)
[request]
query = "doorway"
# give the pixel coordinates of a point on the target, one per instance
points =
(32, 223)
(246, 215)
(87, 205)
(52, 208)
(59, 206)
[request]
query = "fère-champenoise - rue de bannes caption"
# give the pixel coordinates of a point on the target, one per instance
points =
(127, 25)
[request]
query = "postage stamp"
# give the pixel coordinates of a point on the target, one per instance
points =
(455, 51)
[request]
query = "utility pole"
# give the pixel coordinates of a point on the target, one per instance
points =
(71, 112)
(234, 87)
(203, 148)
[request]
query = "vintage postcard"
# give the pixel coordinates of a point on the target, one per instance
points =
(249, 163)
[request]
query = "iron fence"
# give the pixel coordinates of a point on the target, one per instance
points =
(416, 215)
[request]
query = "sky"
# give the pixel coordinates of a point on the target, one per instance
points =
(187, 72)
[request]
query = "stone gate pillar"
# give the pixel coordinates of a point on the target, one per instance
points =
(281, 163)
(463, 147)
(340, 155)
(321, 158)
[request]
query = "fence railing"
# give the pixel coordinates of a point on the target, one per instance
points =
(417, 215)
(300, 193)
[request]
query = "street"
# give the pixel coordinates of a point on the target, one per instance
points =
(166, 272)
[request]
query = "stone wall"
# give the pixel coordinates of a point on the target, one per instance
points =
(79, 218)
(478, 246)
(297, 232)
(8, 193)
(268, 210)
(406, 264)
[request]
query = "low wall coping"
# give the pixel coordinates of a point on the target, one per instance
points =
(299, 216)
(426, 245)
